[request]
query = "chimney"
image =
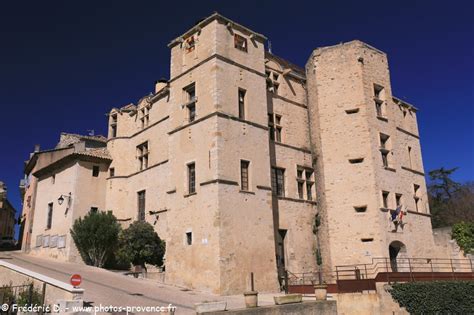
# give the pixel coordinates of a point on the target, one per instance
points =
(160, 84)
(37, 148)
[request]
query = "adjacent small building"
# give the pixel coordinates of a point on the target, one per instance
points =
(61, 185)
(7, 214)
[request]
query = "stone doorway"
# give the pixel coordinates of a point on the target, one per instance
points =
(398, 254)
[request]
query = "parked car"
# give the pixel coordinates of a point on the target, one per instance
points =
(7, 242)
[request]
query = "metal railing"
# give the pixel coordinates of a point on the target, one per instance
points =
(403, 265)
(16, 294)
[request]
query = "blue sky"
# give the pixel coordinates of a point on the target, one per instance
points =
(64, 64)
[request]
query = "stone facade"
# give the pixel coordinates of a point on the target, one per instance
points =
(234, 157)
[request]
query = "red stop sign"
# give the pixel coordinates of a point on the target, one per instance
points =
(76, 280)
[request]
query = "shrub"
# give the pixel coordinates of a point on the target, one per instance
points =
(437, 297)
(96, 237)
(140, 244)
(463, 233)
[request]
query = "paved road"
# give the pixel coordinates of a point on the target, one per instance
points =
(109, 288)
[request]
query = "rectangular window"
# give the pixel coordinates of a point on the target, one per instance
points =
(384, 149)
(385, 195)
(190, 44)
(141, 205)
(242, 103)
(49, 220)
(191, 101)
(274, 126)
(144, 117)
(415, 196)
(240, 42)
(113, 126)
(398, 199)
(191, 178)
(112, 171)
(379, 98)
(244, 175)
(142, 155)
(409, 158)
(300, 190)
(95, 171)
(278, 181)
(189, 238)
(304, 178)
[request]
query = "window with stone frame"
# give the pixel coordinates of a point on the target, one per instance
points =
(385, 195)
(274, 126)
(190, 44)
(379, 99)
(190, 101)
(240, 42)
(385, 149)
(278, 181)
(49, 219)
(241, 96)
(244, 175)
(191, 178)
(141, 197)
(113, 126)
(272, 81)
(416, 198)
(305, 182)
(144, 116)
(142, 156)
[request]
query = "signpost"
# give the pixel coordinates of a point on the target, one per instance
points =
(76, 280)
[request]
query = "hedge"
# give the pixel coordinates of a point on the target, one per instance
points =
(436, 297)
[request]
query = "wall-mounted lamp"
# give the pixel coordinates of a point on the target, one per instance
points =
(61, 198)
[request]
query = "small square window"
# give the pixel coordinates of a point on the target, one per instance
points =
(189, 238)
(240, 42)
(95, 171)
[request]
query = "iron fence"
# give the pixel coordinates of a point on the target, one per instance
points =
(18, 294)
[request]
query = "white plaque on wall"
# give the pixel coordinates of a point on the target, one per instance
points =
(39, 240)
(62, 241)
(46, 241)
(53, 242)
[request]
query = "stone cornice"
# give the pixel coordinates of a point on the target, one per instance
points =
(408, 133)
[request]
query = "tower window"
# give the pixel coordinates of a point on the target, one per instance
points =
(379, 98)
(242, 103)
(190, 92)
(385, 195)
(244, 175)
(112, 171)
(274, 126)
(360, 209)
(189, 238)
(191, 178)
(144, 117)
(142, 155)
(113, 126)
(240, 42)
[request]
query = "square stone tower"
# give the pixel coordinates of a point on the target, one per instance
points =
(368, 159)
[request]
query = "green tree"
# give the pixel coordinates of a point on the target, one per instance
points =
(463, 233)
(141, 245)
(450, 202)
(96, 237)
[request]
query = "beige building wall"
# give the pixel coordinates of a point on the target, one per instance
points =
(74, 178)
